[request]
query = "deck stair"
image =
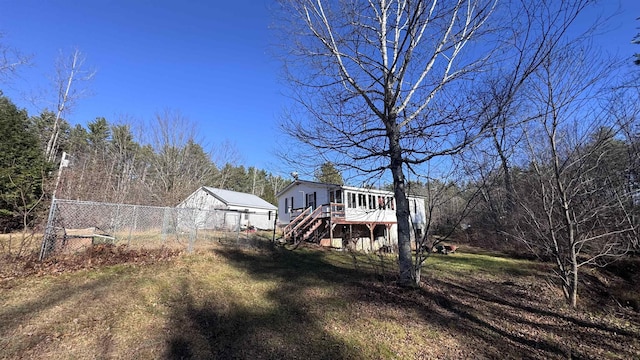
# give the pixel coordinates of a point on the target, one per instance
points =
(293, 225)
(303, 225)
(312, 227)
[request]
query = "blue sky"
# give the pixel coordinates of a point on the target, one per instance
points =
(209, 60)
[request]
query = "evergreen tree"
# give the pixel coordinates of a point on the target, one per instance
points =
(22, 166)
(327, 173)
(43, 126)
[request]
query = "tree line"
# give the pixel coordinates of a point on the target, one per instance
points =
(107, 162)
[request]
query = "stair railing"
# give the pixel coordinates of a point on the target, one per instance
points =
(288, 230)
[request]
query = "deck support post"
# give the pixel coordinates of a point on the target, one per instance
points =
(371, 226)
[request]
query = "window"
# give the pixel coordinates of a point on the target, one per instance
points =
(351, 200)
(246, 214)
(286, 205)
(269, 215)
(372, 202)
(335, 196)
(311, 200)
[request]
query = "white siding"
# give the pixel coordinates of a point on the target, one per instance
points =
(201, 199)
(207, 218)
(418, 214)
(259, 218)
(299, 193)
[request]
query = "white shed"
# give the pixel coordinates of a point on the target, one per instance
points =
(219, 208)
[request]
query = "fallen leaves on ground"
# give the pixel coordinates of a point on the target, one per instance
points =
(94, 257)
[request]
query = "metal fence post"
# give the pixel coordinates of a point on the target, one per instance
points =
(164, 226)
(48, 231)
(133, 226)
(275, 223)
(238, 227)
(115, 221)
(193, 231)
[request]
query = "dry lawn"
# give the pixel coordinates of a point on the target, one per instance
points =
(230, 302)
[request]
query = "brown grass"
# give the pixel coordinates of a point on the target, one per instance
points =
(20, 243)
(227, 302)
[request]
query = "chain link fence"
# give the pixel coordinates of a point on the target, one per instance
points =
(73, 226)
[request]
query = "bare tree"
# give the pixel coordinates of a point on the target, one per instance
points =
(572, 205)
(26, 205)
(540, 27)
(10, 60)
(625, 109)
(69, 71)
(382, 84)
(447, 208)
(180, 164)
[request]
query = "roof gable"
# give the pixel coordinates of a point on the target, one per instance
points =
(236, 198)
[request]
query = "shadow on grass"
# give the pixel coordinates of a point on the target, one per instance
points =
(286, 329)
(236, 331)
(31, 312)
(487, 319)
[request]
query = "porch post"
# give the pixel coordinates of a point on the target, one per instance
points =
(371, 227)
(330, 226)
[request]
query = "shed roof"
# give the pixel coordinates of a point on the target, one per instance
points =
(236, 198)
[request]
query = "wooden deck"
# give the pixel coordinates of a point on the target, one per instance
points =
(312, 224)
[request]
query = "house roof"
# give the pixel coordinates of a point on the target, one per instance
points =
(298, 182)
(344, 187)
(236, 198)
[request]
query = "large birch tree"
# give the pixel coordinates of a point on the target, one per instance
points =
(70, 71)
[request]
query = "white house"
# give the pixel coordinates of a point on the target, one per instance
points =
(219, 208)
(338, 215)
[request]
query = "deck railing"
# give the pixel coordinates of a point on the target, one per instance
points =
(336, 210)
(297, 220)
(304, 218)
